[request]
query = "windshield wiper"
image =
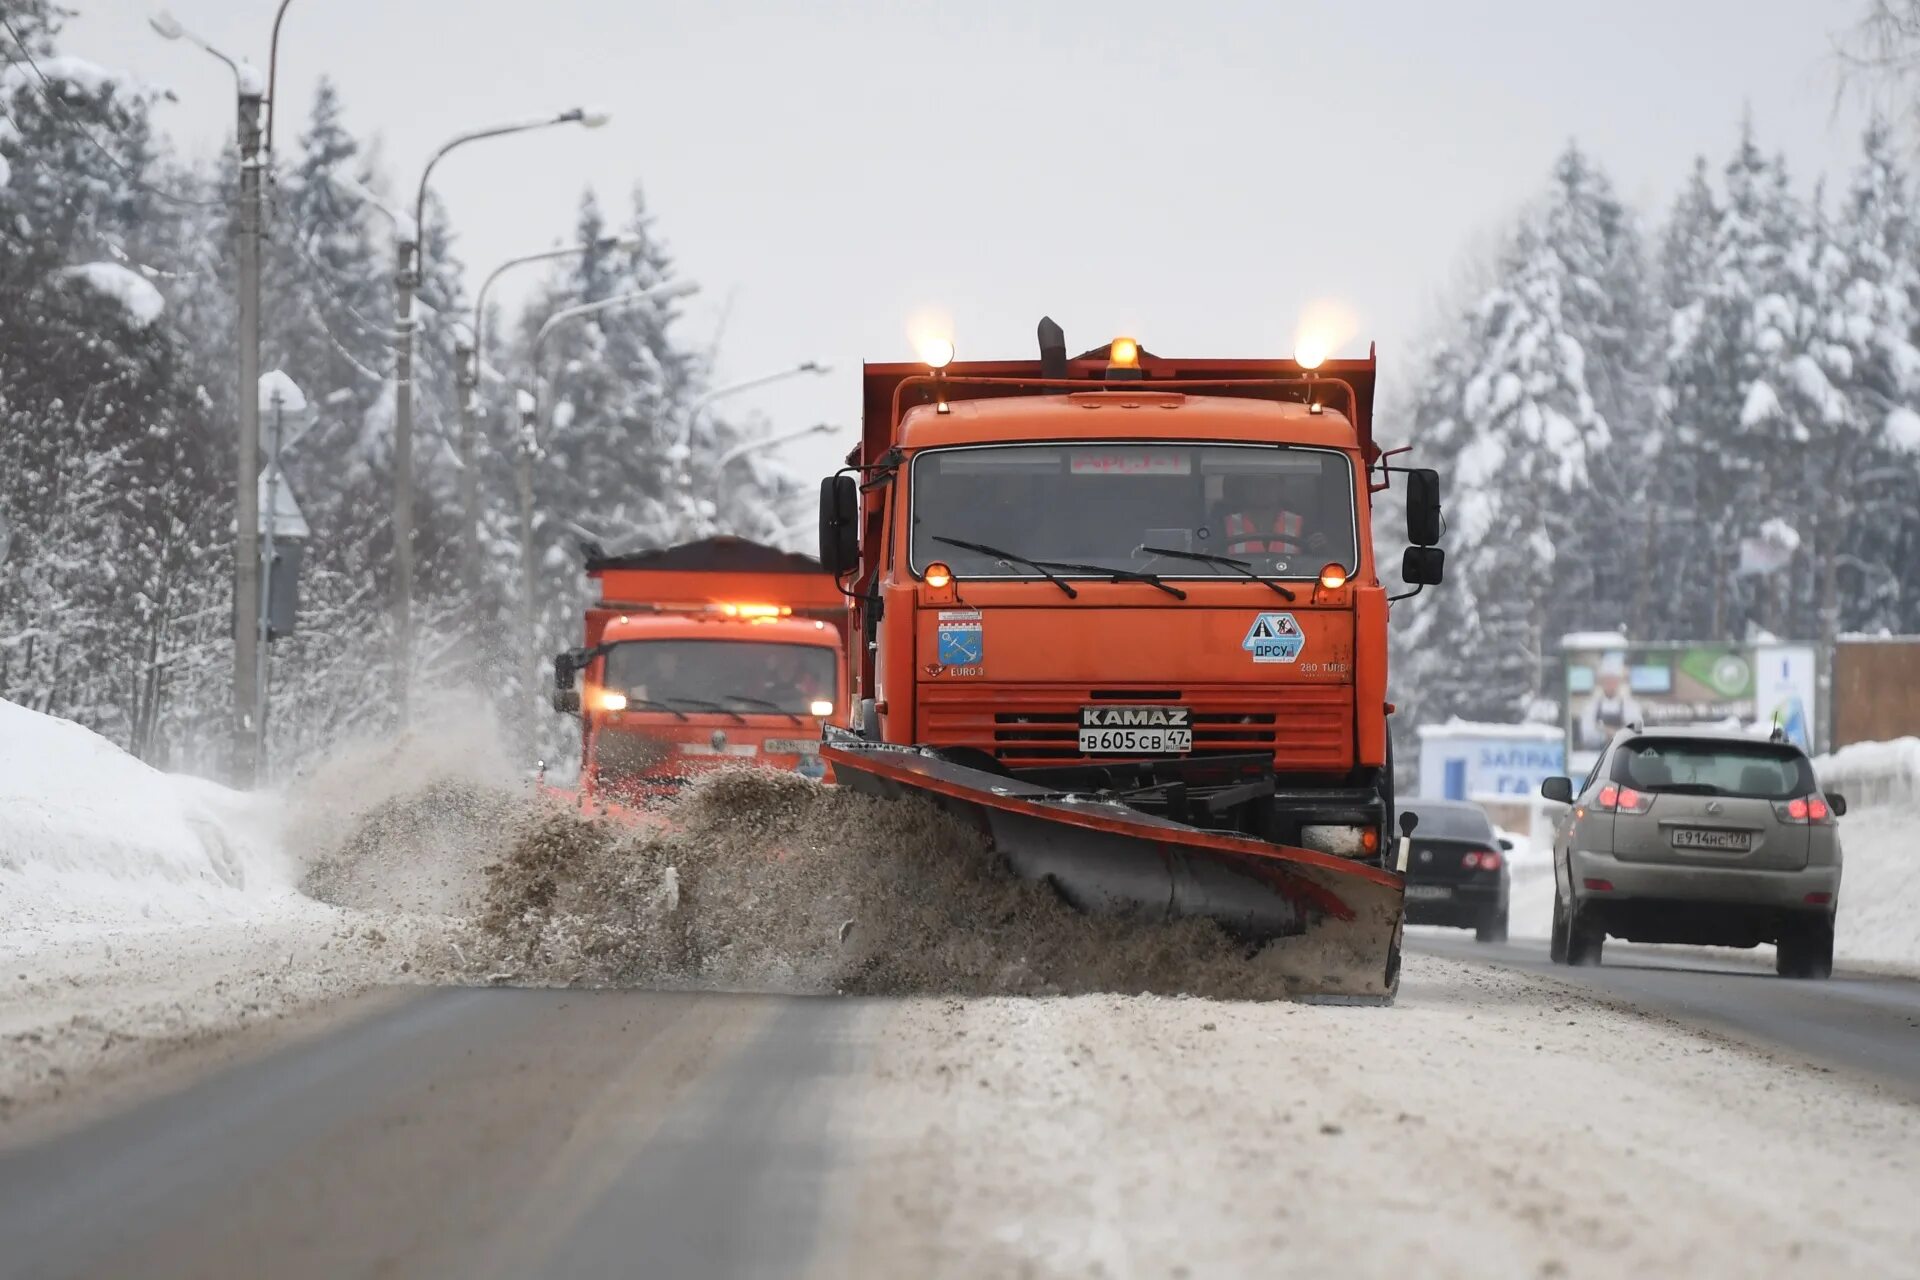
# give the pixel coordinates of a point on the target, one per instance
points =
(1120, 575)
(1245, 568)
(650, 705)
(1010, 558)
(774, 707)
(704, 705)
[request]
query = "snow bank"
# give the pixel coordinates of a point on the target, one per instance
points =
(141, 301)
(1873, 773)
(88, 834)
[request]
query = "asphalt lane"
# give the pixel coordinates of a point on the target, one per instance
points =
(471, 1133)
(1865, 1023)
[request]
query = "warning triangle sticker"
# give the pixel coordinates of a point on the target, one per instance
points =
(1261, 631)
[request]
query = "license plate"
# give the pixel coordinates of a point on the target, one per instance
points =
(1725, 841)
(1429, 891)
(1135, 731)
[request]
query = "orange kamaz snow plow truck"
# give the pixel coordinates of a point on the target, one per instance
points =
(715, 652)
(1123, 614)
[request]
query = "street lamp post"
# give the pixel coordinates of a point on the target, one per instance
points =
(754, 446)
(411, 251)
(468, 370)
(530, 420)
(733, 389)
(246, 547)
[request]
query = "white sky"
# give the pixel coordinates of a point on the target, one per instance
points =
(1190, 173)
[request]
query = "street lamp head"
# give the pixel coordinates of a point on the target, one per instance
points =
(814, 366)
(166, 26)
(586, 117)
(625, 240)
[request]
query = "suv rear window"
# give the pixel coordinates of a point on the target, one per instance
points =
(1701, 767)
(1451, 824)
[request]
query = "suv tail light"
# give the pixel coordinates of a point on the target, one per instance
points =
(1804, 809)
(1623, 799)
(1480, 860)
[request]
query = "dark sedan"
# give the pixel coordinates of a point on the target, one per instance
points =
(1457, 869)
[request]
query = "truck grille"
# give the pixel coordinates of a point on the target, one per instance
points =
(1307, 728)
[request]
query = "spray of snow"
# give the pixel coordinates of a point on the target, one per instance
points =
(769, 881)
(136, 296)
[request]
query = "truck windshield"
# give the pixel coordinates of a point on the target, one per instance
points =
(1287, 512)
(744, 676)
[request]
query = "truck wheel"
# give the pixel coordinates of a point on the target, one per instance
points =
(1805, 950)
(1492, 926)
(1557, 945)
(1585, 938)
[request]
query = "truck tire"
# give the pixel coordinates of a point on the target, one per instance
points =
(1805, 950)
(1492, 926)
(1557, 944)
(1585, 938)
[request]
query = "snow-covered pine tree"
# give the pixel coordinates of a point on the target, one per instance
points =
(1716, 354)
(110, 478)
(1861, 477)
(1508, 412)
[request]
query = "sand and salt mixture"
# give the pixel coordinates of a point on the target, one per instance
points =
(753, 879)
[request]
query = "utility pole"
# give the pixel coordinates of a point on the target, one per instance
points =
(410, 272)
(406, 280)
(246, 551)
(261, 630)
(466, 380)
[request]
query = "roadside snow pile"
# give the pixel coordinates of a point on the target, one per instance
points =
(1870, 773)
(90, 834)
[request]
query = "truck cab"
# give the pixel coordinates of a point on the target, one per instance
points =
(1149, 577)
(697, 656)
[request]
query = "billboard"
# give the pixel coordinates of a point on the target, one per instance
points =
(1612, 684)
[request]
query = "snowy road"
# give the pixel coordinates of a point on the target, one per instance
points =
(1493, 1122)
(1857, 1021)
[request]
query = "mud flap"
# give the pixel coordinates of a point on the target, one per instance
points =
(1340, 920)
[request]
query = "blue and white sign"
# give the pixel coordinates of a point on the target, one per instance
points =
(961, 640)
(1464, 761)
(1274, 637)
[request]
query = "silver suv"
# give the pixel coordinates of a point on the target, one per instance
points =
(1713, 839)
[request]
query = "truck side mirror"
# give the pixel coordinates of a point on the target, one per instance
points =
(566, 698)
(1558, 790)
(1837, 803)
(1423, 507)
(839, 524)
(1423, 566)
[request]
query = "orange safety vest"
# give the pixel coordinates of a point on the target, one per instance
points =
(1246, 536)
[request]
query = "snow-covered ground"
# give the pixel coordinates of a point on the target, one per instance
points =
(1492, 1123)
(145, 913)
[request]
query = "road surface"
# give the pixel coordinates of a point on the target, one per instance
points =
(1490, 1123)
(1863, 1022)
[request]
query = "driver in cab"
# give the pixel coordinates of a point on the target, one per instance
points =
(1265, 516)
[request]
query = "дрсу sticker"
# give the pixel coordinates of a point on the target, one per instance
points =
(961, 640)
(1274, 637)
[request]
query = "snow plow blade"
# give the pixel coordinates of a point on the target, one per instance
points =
(1102, 856)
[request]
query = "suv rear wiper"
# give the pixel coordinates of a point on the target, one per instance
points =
(1244, 567)
(704, 705)
(1011, 558)
(1120, 575)
(774, 707)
